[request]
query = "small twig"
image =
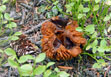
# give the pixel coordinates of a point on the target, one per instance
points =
(108, 68)
(28, 18)
(39, 2)
(26, 6)
(98, 75)
(23, 17)
(34, 28)
(65, 67)
(9, 72)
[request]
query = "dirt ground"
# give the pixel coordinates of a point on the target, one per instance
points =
(29, 21)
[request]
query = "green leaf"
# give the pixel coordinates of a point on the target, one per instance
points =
(110, 14)
(103, 43)
(90, 29)
(59, 7)
(101, 49)
(53, 74)
(5, 22)
(5, 1)
(97, 1)
(101, 54)
(7, 16)
(40, 57)
(80, 9)
(25, 58)
(69, 7)
(1, 16)
(47, 73)
(18, 33)
(10, 52)
(2, 8)
(40, 69)
(79, 29)
(88, 47)
(63, 74)
(49, 14)
(26, 69)
(50, 64)
(1, 51)
(86, 10)
(101, 61)
(94, 35)
(95, 43)
(56, 2)
(94, 49)
(14, 38)
(107, 18)
(12, 63)
(81, 15)
(55, 11)
(107, 48)
(96, 8)
(11, 25)
(56, 69)
(96, 65)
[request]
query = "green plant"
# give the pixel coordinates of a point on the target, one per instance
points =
(98, 44)
(6, 24)
(49, 10)
(26, 68)
(97, 13)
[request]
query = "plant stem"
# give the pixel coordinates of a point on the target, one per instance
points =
(34, 66)
(90, 55)
(106, 58)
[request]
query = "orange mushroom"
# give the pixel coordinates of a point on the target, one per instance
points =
(60, 39)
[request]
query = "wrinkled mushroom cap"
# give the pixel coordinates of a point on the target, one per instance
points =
(60, 39)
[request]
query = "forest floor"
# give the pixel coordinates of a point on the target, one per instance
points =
(29, 20)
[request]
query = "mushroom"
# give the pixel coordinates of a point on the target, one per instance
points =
(60, 39)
